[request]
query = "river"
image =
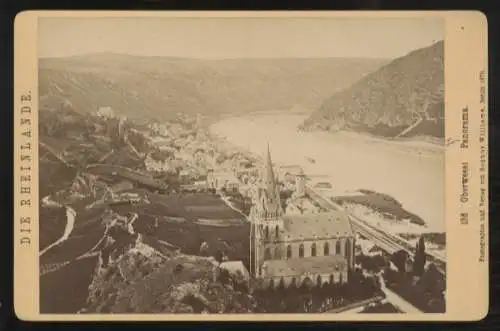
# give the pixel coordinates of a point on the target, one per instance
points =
(412, 172)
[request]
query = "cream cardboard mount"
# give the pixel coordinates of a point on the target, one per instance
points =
(270, 166)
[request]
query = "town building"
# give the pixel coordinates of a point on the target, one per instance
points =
(122, 186)
(294, 249)
(158, 165)
(105, 112)
(302, 205)
(197, 186)
(246, 171)
(289, 173)
(223, 180)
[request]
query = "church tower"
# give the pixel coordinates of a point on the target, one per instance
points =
(266, 218)
(300, 184)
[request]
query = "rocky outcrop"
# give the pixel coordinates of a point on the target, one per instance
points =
(140, 282)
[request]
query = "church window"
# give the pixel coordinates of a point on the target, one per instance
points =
(301, 250)
(277, 254)
(281, 284)
(313, 249)
(277, 231)
(266, 232)
(348, 250)
(337, 248)
(289, 252)
(267, 254)
(326, 249)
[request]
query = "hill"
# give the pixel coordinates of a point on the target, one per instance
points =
(159, 87)
(404, 98)
(130, 247)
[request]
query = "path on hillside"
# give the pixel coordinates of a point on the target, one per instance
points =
(70, 223)
(411, 127)
(93, 252)
(57, 155)
(233, 207)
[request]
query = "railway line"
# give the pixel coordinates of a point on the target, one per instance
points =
(386, 241)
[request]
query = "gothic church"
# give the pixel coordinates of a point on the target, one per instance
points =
(293, 249)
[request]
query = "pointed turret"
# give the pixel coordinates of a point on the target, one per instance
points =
(269, 179)
(270, 186)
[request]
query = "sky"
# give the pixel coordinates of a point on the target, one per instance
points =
(219, 38)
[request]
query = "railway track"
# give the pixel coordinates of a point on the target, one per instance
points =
(388, 242)
(397, 242)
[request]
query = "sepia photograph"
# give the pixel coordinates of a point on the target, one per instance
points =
(230, 166)
(250, 166)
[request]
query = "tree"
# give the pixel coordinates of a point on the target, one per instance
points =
(432, 281)
(420, 258)
(281, 291)
(204, 248)
(281, 284)
(240, 282)
(224, 276)
(399, 259)
(218, 256)
(178, 268)
(52, 125)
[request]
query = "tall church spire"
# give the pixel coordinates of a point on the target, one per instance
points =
(268, 206)
(269, 179)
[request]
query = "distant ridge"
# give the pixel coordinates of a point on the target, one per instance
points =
(160, 87)
(263, 58)
(404, 98)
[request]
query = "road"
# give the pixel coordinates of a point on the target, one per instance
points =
(396, 300)
(55, 153)
(233, 207)
(70, 222)
(355, 308)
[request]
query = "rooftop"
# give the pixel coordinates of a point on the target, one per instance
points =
(291, 169)
(303, 203)
(317, 264)
(223, 175)
(320, 225)
(234, 267)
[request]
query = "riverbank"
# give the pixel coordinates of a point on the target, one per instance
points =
(419, 145)
(412, 175)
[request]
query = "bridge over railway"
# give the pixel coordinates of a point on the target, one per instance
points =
(386, 241)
